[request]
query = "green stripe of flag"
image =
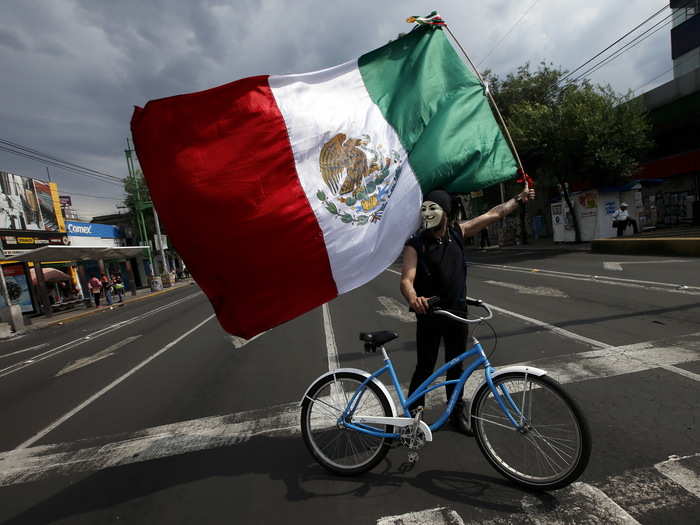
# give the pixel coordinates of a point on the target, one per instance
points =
(440, 112)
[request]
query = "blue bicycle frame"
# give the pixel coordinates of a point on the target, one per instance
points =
(504, 400)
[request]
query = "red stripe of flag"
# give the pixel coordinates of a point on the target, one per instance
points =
(222, 176)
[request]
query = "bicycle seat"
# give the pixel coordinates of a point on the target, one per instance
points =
(378, 338)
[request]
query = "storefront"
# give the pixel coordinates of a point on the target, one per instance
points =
(44, 272)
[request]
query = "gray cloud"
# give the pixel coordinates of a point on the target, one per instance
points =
(72, 70)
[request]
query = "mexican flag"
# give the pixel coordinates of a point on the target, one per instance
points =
(282, 192)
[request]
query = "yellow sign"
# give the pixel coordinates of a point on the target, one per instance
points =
(57, 207)
(25, 240)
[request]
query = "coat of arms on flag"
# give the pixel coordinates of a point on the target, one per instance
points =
(307, 185)
(359, 176)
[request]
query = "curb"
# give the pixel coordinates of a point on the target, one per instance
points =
(97, 311)
(685, 246)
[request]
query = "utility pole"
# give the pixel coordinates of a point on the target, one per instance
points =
(3, 284)
(166, 267)
(140, 221)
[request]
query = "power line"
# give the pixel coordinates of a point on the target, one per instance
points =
(71, 193)
(613, 44)
(652, 80)
(508, 32)
(56, 159)
(63, 167)
(627, 47)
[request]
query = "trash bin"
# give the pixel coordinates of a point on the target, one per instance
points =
(156, 283)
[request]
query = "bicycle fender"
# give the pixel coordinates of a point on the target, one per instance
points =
(363, 373)
(529, 370)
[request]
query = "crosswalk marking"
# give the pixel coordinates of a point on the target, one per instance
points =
(217, 431)
(437, 516)
(577, 500)
(633, 497)
(675, 468)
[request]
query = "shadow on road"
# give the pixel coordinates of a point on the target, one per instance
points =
(223, 478)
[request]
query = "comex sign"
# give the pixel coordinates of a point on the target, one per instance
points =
(89, 229)
(85, 229)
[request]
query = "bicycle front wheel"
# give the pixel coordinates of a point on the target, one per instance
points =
(340, 449)
(553, 446)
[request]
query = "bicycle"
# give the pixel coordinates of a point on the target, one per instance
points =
(528, 428)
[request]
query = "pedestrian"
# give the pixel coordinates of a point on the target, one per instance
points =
(95, 289)
(118, 287)
(107, 289)
(621, 220)
(434, 266)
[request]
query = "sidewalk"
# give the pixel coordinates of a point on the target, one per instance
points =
(679, 240)
(80, 312)
(538, 244)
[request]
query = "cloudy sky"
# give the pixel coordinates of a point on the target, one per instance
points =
(72, 70)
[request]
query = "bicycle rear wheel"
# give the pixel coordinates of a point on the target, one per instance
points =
(553, 448)
(339, 449)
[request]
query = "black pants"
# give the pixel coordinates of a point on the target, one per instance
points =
(429, 331)
(97, 299)
(622, 226)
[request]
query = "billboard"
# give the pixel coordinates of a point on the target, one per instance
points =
(28, 204)
(48, 213)
(17, 287)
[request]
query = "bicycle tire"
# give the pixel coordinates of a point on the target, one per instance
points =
(558, 444)
(314, 425)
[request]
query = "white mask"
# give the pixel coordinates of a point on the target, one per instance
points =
(431, 214)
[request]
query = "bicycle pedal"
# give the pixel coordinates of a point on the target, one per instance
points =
(413, 457)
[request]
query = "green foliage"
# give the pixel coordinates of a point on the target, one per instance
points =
(135, 187)
(579, 132)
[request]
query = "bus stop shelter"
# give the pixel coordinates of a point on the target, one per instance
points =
(76, 253)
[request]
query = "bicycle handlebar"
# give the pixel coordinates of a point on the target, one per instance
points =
(455, 317)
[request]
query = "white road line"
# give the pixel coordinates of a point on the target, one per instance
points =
(331, 347)
(109, 387)
(617, 281)
(395, 309)
(31, 464)
(573, 502)
(85, 361)
(616, 266)
(530, 290)
(239, 342)
(37, 347)
(99, 333)
(612, 266)
(552, 328)
(593, 343)
(437, 516)
(674, 469)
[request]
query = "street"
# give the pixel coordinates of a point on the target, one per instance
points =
(151, 413)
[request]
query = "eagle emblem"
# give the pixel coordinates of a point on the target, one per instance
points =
(358, 177)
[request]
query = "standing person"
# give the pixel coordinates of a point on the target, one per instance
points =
(434, 265)
(95, 289)
(118, 287)
(622, 219)
(107, 289)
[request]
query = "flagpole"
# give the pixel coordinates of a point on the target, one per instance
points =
(488, 94)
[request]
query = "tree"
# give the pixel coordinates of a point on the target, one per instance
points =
(578, 132)
(137, 195)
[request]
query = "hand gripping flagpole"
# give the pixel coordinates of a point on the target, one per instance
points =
(434, 19)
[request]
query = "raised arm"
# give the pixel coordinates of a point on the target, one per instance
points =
(408, 276)
(475, 225)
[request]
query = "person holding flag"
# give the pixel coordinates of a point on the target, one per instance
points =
(328, 169)
(434, 266)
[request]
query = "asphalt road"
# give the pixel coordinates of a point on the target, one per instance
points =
(150, 413)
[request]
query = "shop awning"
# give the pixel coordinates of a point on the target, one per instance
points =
(78, 253)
